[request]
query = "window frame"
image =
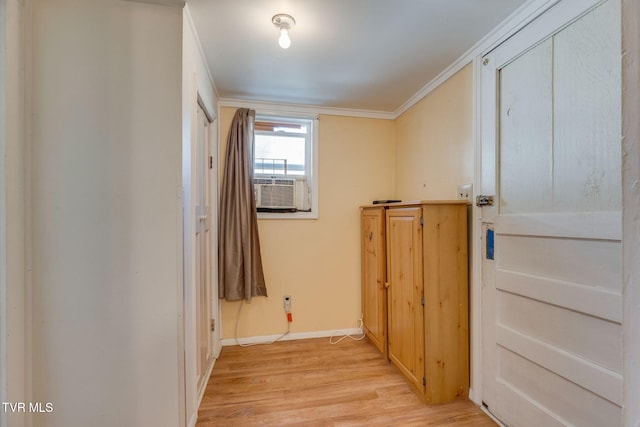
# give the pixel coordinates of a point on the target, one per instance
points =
(311, 161)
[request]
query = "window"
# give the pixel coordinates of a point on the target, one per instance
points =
(284, 167)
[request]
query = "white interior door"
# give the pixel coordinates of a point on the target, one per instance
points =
(203, 249)
(213, 231)
(551, 153)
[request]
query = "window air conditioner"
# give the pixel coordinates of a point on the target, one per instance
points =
(275, 193)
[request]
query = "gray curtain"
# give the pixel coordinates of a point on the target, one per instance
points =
(240, 265)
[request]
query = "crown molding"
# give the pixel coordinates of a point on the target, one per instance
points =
(177, 3)
(306, 109)
(513, 23)
(192, 28)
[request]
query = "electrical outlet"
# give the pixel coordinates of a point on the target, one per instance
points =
(287, 303)
(465, 192)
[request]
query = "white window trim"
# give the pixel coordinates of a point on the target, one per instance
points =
(313, 176)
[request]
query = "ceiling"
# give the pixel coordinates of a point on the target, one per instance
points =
(355, 54)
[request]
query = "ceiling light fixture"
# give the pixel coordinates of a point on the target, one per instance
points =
(284, 22)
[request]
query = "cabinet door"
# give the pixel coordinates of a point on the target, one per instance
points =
(404, 274)
(374, 301)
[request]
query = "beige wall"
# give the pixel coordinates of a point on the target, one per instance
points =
(434, 152)
(317, 262)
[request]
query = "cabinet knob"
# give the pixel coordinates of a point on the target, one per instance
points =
(371, 235)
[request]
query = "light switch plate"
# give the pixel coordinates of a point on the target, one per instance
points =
(465, 192)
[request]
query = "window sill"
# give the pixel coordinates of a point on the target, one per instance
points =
(293, 215)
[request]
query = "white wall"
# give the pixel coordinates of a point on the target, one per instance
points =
(196, 82)
(106, 212)
(12, 227)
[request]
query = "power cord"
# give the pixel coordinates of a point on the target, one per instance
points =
(355, 338)
(256, 343)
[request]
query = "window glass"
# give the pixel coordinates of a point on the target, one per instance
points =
(279, 155)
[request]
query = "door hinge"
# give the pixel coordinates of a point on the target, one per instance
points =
(424, 381)
(210, 162)
(213, 325)
(421, 220)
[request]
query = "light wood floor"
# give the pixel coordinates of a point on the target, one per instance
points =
(313, 383)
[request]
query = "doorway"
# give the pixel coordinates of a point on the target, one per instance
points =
(200, 204)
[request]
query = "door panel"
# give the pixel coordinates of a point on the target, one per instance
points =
(526, 128)
(587, 75)
(404, 273)
(562, 329)
(374, 304)
(558, 401)
(593, 263)
(552, 303)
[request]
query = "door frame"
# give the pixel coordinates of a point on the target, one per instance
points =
(209, 214)
(214, 178)
(630, 152)
(520, 19)
(630, 211)
(191, 396)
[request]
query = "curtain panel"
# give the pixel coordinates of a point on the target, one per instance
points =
(240, 271)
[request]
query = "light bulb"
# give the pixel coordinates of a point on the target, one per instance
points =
(284, 41)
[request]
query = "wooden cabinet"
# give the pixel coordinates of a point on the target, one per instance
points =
(426, 295)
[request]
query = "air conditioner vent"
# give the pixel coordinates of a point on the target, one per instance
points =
(277, 196)
(275, 193)
(263, 180)
(282, 194)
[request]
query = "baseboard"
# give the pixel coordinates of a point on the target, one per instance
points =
(291, 336)
(193, 420)
(194, 417)
(475, 397)
(208, 375)
(490, 415)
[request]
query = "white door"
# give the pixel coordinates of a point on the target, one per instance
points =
(203, 249)
(213, 174)
(551, 155)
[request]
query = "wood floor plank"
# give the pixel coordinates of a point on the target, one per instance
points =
(313, 383)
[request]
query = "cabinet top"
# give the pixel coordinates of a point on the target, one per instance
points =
(415, 203)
